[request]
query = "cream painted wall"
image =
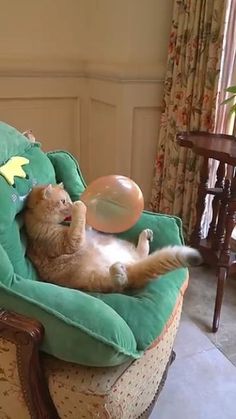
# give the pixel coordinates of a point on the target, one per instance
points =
(129, 36)
(42, 34)
(87, 75)
(126, 36)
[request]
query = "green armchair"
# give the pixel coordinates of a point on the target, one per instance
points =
(69, 354)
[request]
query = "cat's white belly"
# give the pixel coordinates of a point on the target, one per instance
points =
(114, 252)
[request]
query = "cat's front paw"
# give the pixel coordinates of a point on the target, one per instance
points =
(79, 209)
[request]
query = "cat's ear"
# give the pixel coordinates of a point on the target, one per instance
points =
(47, 191)
(61, 185)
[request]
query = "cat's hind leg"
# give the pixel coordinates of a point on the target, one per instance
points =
(118, 271)
(143, 247)
(118, 275)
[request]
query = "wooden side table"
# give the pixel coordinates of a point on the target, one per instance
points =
(215, 248)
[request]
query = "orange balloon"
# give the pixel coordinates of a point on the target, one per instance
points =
(114, 203)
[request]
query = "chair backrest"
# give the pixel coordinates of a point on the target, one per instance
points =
(37, 169)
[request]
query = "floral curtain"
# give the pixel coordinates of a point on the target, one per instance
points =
(224, 121)
(189, 103)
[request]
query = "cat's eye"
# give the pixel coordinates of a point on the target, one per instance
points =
(63, 201)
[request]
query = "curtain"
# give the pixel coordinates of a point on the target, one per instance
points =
(189, 102)
(228, 64)
(223, 123)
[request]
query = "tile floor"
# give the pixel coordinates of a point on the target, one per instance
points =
(201, 383)
(199, 306)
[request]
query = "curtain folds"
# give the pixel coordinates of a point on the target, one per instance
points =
(189, 102)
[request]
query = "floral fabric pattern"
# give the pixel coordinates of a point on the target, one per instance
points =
(12, 404)
(122, 392)
(189, 101)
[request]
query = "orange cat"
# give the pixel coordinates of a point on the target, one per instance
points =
(76, 256)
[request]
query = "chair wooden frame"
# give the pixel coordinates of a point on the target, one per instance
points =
(27, 334)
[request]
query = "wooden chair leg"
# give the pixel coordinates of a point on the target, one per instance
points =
(172, 357)
(27, 335)
(219, 297)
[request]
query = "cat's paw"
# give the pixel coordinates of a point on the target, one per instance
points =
(148, 234)
(189, 256)
(119, 274)
(79, 208)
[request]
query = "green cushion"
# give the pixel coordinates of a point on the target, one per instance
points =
(87, 328)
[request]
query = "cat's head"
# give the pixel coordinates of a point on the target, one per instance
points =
(50, 203)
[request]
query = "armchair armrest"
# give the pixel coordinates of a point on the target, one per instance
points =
(167, 230)
(27, 335)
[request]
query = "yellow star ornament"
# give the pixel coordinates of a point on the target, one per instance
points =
(13, 168)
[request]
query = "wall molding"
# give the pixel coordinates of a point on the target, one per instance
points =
(78, 75)
(112, 126)
(67, 67)
(122, 80)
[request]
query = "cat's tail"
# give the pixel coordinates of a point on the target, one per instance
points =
(158, 263)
